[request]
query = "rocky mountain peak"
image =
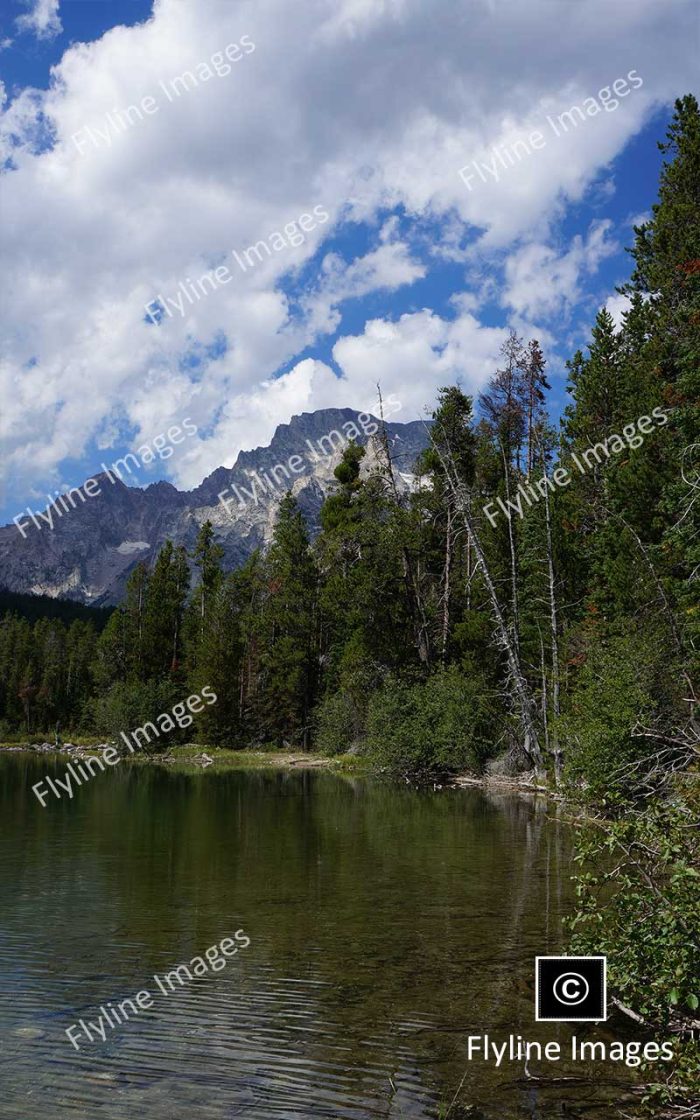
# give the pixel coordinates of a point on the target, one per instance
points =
(89, 552)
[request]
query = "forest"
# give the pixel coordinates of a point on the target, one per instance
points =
(433, 638)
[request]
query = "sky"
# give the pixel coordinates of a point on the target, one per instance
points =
(424, 176)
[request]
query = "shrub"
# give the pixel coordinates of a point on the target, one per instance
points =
(436, 727)
(622, 684)
(339, 724)
(638, 902)
(130, 705)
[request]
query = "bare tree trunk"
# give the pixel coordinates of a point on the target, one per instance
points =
(545, 698)
(513, 557)
(140, 624)
(554, 628)
(446, 583)
(530, 456)
(525, 702)
(470, 569)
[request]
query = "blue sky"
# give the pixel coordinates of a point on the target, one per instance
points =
(364, 111)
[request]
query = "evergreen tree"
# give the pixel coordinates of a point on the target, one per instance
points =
(163, 615)
(534, 386)
(120, 652)
(207, 557)
(288, 631)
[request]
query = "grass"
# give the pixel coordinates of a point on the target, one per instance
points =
(184, 757)
(21, 739)
(265, 758)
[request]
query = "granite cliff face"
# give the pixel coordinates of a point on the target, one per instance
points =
(91, 550)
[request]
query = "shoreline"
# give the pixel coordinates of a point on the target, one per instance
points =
(195, 758)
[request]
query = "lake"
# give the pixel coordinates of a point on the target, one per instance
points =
(386, 925)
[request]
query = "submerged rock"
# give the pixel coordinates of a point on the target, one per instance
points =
(102, 1078)
(29, 1033)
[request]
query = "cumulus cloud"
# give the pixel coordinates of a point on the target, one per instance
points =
(386, 268)
(41, 20)
(410, 358)
(540, 281)
(419, 353)
(364, 108)
(618, 305)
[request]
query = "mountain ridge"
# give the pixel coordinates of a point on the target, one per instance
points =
(90, 551)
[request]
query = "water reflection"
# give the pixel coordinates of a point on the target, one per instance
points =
(386, 925)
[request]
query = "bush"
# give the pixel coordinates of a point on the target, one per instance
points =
(341, 717)
(339, 724)
(638, 903)
(436, 727)
(622, 683)
(127, 706)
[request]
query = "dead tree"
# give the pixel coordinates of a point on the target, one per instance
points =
(525, 704)
(553, 624)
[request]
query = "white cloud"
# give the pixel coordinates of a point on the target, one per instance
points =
(617, 306)
(540, 282)
(419, 353)
(42, 19)
(360, 107)
(410, 358)
(386, 268)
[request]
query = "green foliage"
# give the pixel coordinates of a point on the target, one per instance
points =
(430, 728)
(128, 705)
(287, 630)
(365, 596)
(207, 557)
(163, 612)
(639, 901)
(650, 859)
(338, 723)
(34, 607)
(612, 696)
(631, 728)
(45, 673)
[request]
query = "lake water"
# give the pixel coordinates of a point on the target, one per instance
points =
(386, 925)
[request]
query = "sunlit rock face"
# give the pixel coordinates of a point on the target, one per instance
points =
(90, 551)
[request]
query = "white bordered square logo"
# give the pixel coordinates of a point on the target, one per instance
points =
(570, 989)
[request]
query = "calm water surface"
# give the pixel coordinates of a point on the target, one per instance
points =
(386, 926)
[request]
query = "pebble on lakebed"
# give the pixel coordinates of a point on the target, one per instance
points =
(102, 1078)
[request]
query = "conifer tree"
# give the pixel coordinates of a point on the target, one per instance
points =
(120, 650)
(207, 557)
(451, 433)
(288, 631)
(166, 598)
(534, 387)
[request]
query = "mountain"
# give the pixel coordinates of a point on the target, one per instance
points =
(88, 554)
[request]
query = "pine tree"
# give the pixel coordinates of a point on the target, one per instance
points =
(504, 409)
(120, 649)
(166, 598)
(288, 631)
(207, 557)
(447, 551)
(534, 387)
(667, 275)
